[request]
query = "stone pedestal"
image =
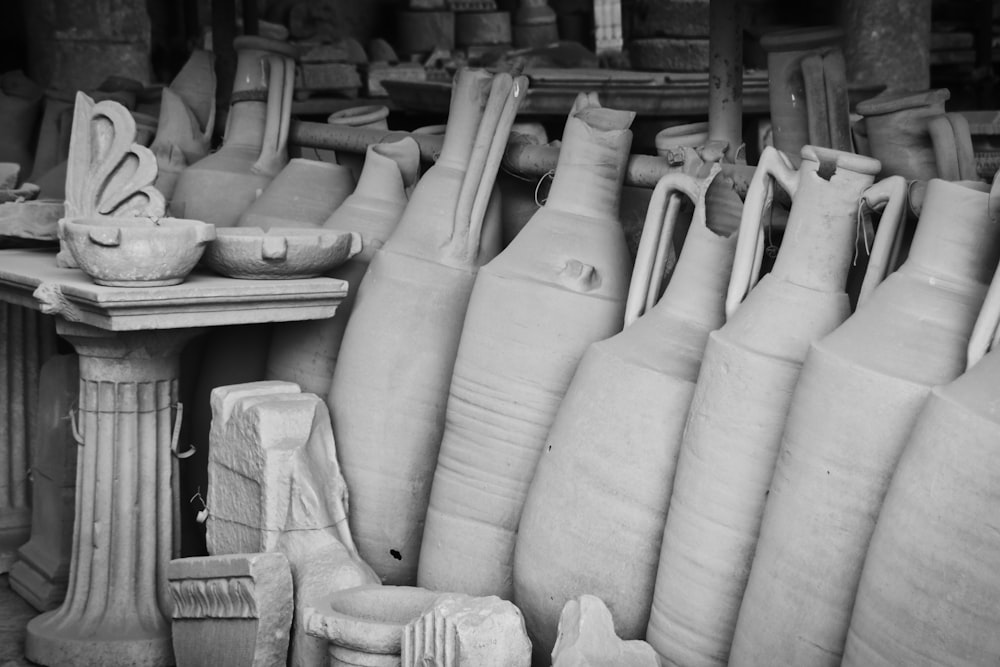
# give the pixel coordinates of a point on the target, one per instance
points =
(117, 607)
(27, 338)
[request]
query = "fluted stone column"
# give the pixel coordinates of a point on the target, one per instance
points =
(27, 339)
(117, 605)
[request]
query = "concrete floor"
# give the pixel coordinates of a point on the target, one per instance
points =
(14, 616)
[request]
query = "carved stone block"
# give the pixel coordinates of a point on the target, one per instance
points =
(465, 631)
(274, 484)
(587, 639)
(42, 569)
(231, 611)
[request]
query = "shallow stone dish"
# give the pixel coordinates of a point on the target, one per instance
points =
(254, 254)
(136, 252)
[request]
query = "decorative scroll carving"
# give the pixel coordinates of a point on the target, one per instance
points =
(214, 598)
(108, 172)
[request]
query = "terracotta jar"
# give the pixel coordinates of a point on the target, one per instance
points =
(219, 187)
(558, 287)
(390, 384)
(186, 120)
(858, 396)
(687, 134)
(303, 194)
(306, 352)
(928, 590)
(787, 85)
(626, 404)
(896, 128)
(742, 395)
(371, 116)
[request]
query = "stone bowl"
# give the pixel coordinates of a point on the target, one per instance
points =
(280, 253)
(368, 619)
(136, 252)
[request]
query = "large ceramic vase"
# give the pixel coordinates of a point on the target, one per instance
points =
(859, 394)
(220, 186)
(303, 194)
(306, 352)
(788, 84)
(600, 493)
(390, 384)
(742, 396)
(929, 588)
(558, 287)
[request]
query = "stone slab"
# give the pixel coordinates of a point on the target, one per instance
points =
(204, 299)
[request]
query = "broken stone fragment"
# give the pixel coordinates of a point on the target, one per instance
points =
(587, 639)
(465, 631)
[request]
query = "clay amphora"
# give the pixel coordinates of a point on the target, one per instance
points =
(600, 493)
(391, 381)
(187, 120)
(929, 588)
(306, 352)
(741, 399)
(180, 141)
(218, 188)
(787, 85)
(20, 105)
(676, 136)
(372, 116)
(896, 127)
(303, 194)
(558, 287)
(858, 396)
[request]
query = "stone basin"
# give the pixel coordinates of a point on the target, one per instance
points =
(136, 252)
(284, 252)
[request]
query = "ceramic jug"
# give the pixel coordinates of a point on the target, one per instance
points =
(390, 384)
(303, 194)
(896, 128)
(306, 352)
(929, 588)
(791, 112)
(219, 187)
(599, 495)
(742, 394)
(558, 287)
(858, 396)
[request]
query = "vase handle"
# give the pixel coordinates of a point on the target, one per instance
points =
(986, 332)
(773, 167)
(280, 86)
(657, 230)
(890, 196)
(953, 151)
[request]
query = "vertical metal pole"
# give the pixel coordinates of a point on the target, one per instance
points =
(725, 75)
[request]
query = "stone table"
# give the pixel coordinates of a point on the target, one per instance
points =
(129, 340)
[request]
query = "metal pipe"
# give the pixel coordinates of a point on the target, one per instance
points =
(725, 75)
(520, 158)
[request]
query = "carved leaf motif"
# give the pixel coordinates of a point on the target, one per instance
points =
(109, 174)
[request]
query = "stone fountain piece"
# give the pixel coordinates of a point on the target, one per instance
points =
(283, 252)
